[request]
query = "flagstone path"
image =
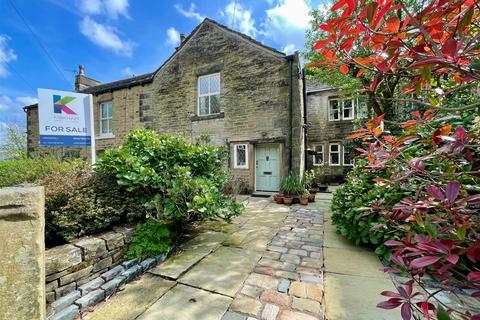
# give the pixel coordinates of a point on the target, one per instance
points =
(268, 264)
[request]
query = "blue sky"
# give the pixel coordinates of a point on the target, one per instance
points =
(115, 39)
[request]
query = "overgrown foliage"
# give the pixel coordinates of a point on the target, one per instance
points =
(15, 144)
(150, 239)
(424, 54)
(177, 181)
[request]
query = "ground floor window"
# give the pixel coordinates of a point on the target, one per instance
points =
(334, 154)
(240, 156)
(318, 157)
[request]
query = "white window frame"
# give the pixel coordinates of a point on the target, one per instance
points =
(343, 159)
(110, 119)
(330, 155)
(330, 108)
(209, 94)
(352, 108)
(235, 163)
(315, 156)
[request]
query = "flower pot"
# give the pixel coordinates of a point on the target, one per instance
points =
(287, 200)
(304, 201)
(313, 191)
(311, 197)
(278, 198)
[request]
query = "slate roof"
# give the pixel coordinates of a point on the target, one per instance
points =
(313, 85)
(120, 84)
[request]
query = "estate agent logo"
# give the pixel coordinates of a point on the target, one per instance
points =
(59, 104)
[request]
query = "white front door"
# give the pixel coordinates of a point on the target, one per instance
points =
(267, 167)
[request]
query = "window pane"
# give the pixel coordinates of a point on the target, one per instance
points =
(109, 110)
(346, 157)
(215, 84)
(203, 105)
(334, 110)
(334, 147)
(348, 109)
(241, 156)
(203, 85)
(104, 111)
(334, 159)
(215, 103)
(105, 126)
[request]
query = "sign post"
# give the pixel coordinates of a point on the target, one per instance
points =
(66, 119)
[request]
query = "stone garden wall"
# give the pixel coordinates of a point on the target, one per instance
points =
(88, 270)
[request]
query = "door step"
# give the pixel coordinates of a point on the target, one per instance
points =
(263, 194)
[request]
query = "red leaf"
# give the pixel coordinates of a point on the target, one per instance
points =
(423, 262)
(390, 294)
(452, 190)
(473, 253)
(424, 306)
(393, 24)
(475, 199)
(338, 5)
(393, 243)
(435, 192)
(427, 61)
(406, 311)
(450, 48)
(474, 276)
(390, 304)
(344, 69)
(452, 258)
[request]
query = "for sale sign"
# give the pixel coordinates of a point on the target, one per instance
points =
(65, 118)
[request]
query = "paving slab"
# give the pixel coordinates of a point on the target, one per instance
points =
(187, 303)
(207, 240)
(133, 300)
(178, 264)
(357, 261)
(352, 297)
(223, 271)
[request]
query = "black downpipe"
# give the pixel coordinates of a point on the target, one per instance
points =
(290, 66)
(305, 120)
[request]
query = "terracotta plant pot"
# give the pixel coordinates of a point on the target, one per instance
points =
(304, 201)
(312, 191)
(311, 197)
(287, 200)
(278, 198)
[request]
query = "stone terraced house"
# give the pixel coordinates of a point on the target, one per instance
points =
(247, 97)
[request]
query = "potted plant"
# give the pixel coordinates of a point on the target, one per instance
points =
(286, 188)
(278, 198)
(292, 186)
(310, 184)
(304, 197)
(319, 181)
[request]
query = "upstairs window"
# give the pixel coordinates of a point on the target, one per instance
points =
(318, 157)
(348, 110)
(334, 110)
(347, 158)
(209, 94)
(240, 156)
(106, 117)
(334, 154)
(341, 109)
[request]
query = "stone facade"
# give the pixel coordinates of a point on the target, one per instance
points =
(22, 246)
(322, 131)
(261, 99)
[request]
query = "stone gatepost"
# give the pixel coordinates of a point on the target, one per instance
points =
(22, 251)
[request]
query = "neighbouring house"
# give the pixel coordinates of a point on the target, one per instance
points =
(247, 97)
(330, 120)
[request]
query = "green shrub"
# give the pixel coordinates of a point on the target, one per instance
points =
(79, 202)
(292, 185)
(151, 238)
(176, 180)
(352, 213)
(20, 171)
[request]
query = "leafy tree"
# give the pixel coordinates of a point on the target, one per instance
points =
(15, 145)
(402, 52)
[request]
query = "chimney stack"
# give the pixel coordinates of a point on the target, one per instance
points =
(182, 38)
(82, 82)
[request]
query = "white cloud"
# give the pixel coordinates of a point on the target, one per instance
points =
(111, 8)
(289, 48)
(27, 100)
(105, 36)
(11, 113)
(287, 22)
(128, 71)
(239, 18)
(173, 37)
(6, 55)
(191, 12)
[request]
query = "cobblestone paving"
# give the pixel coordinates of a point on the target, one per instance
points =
(287, 282)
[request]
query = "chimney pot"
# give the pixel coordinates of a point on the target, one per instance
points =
(81, 70)
(182, 38)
